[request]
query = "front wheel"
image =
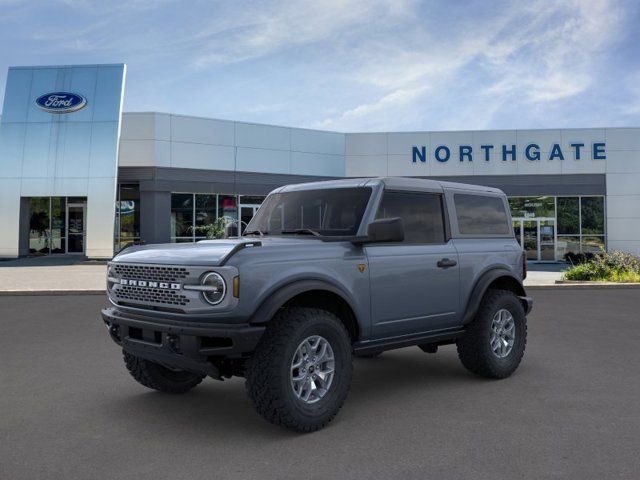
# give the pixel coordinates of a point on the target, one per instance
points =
(300, 372)
(494, 342)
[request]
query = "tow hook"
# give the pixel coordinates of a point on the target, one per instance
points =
(114, 331)
(173, 343)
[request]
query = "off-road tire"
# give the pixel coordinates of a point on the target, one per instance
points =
(157, 377)
(268, 381)
(474, 349)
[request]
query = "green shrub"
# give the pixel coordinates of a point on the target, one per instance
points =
(582, 271)
(615, 266)
(625, 277)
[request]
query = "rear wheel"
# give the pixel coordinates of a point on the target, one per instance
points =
(157, 377)
(300, 372)
(494, 342)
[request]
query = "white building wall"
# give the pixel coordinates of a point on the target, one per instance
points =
(165, 140)
(623, 189)
(371, 154)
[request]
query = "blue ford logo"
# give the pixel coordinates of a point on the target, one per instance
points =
(61, 102)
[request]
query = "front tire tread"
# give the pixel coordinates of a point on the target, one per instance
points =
(263, 375)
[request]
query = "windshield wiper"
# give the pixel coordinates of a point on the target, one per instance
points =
(256, 231)
(302, 231)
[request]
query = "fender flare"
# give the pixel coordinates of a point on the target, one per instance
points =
(282, 295)
(481, 287)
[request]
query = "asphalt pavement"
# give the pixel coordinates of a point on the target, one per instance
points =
(69, 410)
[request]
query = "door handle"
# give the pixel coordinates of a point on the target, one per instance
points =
(446, 263)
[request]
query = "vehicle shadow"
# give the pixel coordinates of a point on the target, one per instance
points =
(222, 409)
(406, 372)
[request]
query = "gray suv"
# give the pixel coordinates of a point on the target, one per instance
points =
(323, 272)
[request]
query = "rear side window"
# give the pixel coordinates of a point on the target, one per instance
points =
(481, 215)
(421, 214)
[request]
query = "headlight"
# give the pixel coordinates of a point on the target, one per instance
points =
(111, 274)
(215, 288)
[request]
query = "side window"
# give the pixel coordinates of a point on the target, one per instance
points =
(481, 215)
(421, 214)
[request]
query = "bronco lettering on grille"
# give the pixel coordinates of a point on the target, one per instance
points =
(150, 284)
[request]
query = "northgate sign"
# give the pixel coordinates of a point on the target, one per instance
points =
(532, 152)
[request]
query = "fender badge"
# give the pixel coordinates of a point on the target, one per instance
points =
(362, 267)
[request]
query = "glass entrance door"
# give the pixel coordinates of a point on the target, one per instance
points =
(246, 214)
(547, 236)
(517, 230)
(75, 227)
(537, 237)
(530, 239)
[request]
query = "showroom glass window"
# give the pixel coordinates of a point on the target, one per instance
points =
(228, 208)
(182, 217)
(58, 224)
(581, 224)
(592, 224)
(39, 225)
(580, 220)
(568, 215)
(205, 208)
(421, 214)
(127, 229)
(530, 207)
(193, 213)
(48, 224)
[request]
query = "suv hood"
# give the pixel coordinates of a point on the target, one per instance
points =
(205, 253)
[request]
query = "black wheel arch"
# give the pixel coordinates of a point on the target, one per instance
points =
(496, 278)
(312, 292)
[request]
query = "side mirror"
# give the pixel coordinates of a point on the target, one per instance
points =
(385, 230)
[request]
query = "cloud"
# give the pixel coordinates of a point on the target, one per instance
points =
(256, 33)
(553, 53)
(350, 65)
(390, 102)
(631, 107)
(540, 54)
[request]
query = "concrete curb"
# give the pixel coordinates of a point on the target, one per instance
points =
(585, 285)
(20, 293)
(592, 282)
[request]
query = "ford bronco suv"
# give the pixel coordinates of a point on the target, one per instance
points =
(323, 272)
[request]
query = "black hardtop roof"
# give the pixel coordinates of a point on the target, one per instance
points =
(392, 182)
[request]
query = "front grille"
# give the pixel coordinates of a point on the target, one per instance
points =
(154, 295)
(151, 273)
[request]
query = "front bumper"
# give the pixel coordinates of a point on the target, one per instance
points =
(186, 345)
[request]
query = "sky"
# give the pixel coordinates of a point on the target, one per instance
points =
(351, 65)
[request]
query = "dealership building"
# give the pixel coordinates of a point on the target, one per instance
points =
(79, 176)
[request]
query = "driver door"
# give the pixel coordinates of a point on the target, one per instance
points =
(414, 284)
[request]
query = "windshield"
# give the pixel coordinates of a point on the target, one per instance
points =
(326, 212)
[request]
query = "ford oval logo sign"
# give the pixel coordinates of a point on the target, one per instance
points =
(61, 102)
